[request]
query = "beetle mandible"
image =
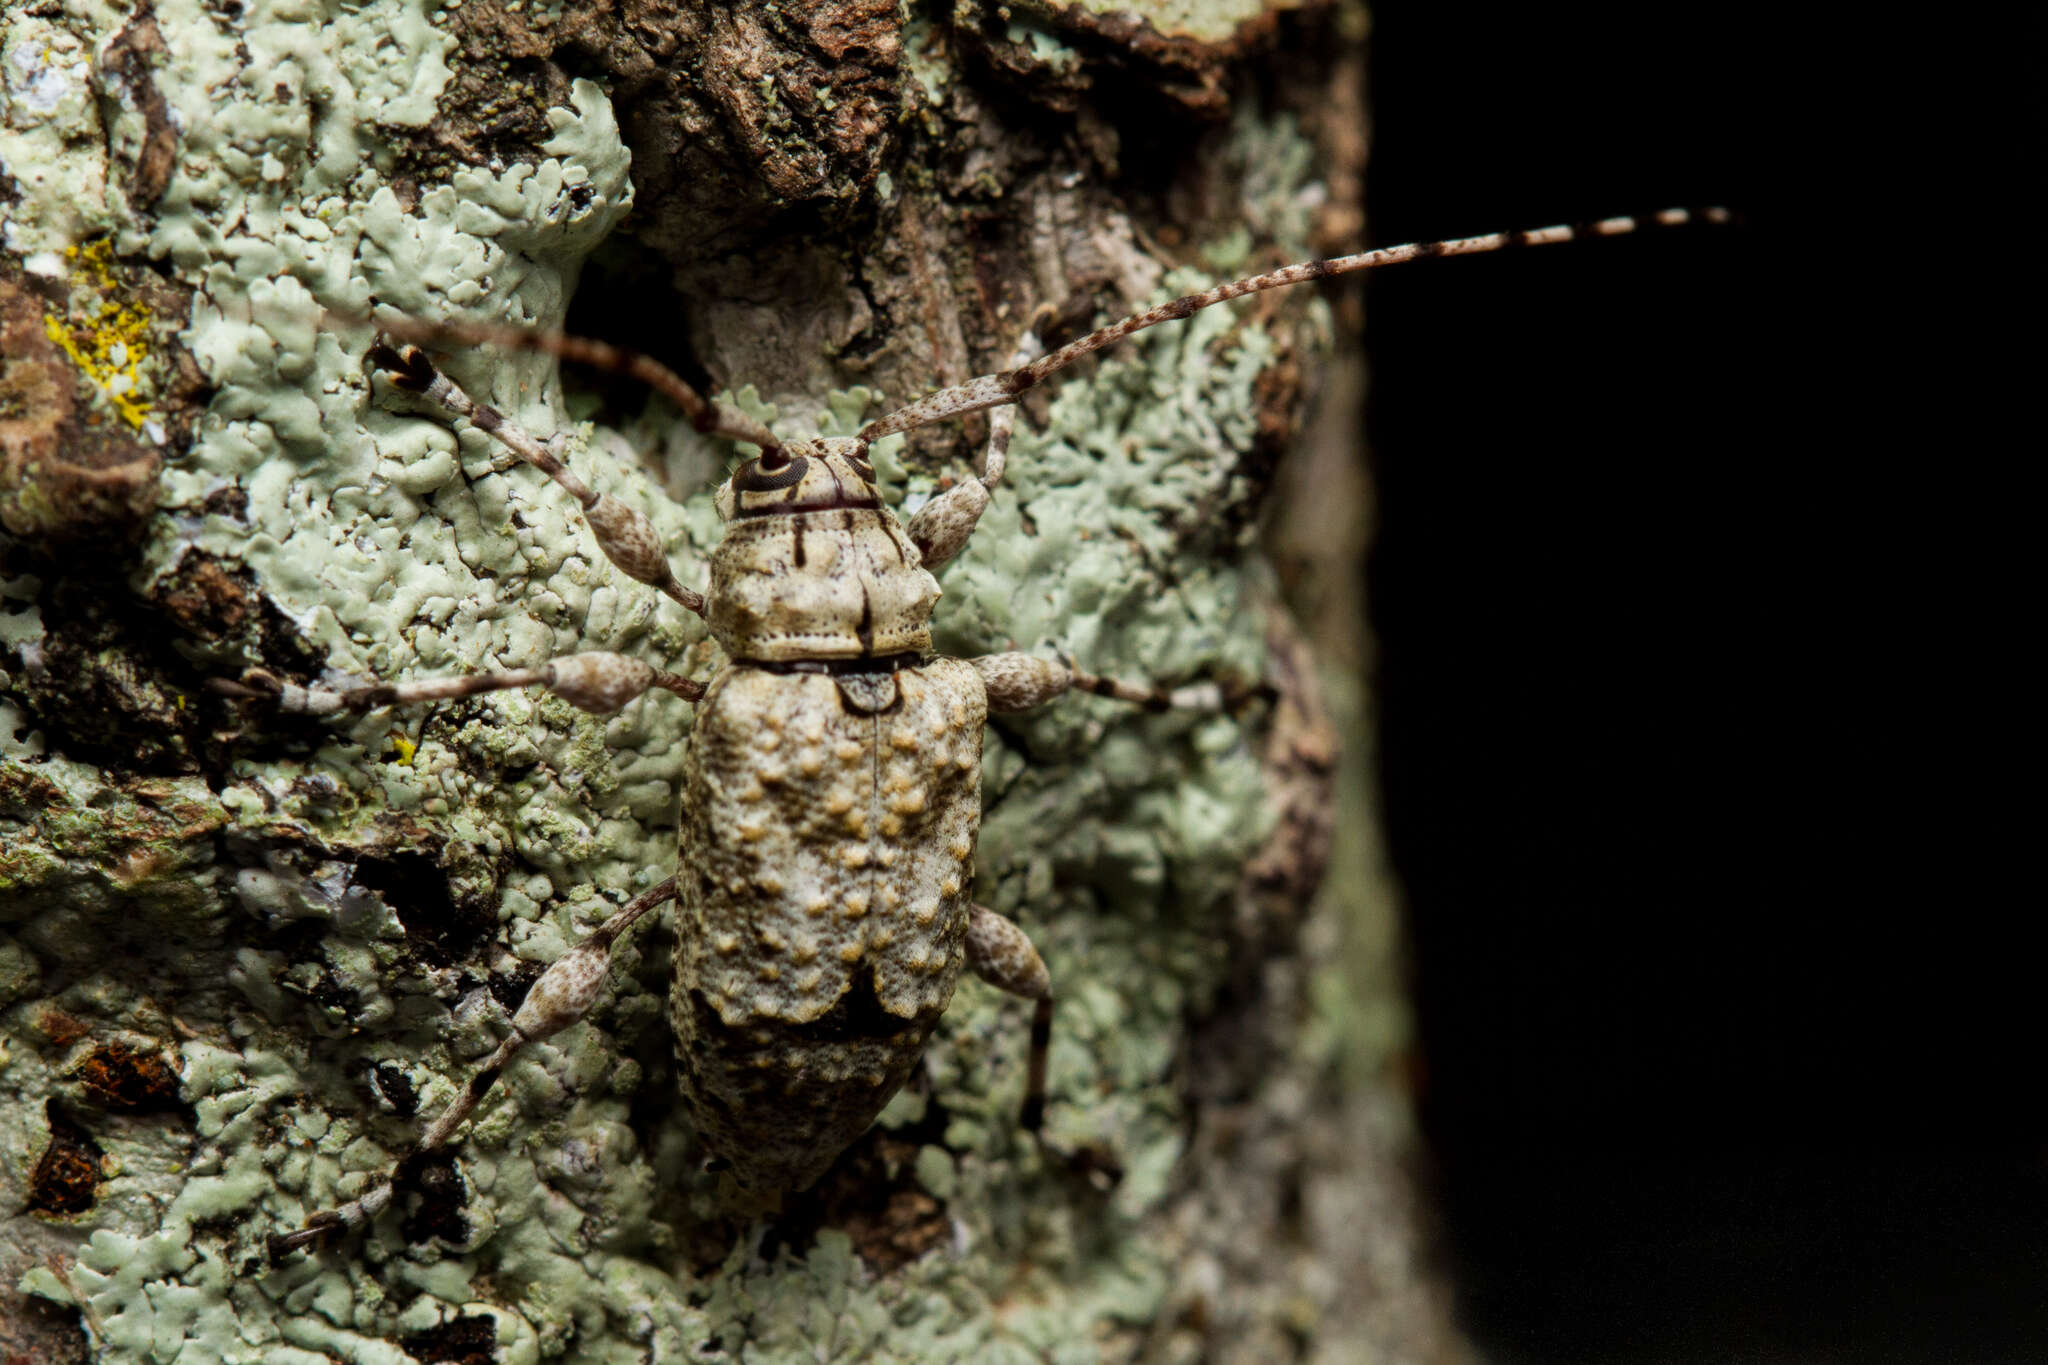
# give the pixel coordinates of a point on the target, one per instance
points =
(831, 790)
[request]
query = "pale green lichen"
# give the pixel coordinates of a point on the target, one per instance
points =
(400, 548)
(47, 67)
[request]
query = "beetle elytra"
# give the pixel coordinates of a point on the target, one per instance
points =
(831, 792)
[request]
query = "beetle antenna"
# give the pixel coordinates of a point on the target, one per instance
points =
(1007, 386)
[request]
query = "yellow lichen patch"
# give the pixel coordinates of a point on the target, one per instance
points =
(404, 748)
(110, 343)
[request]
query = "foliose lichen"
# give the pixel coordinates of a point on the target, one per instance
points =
(323, 934)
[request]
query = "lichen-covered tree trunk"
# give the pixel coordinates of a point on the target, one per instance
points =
(242, 957)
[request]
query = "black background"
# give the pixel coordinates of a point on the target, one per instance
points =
(1693, 584)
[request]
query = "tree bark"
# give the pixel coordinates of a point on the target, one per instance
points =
(242, 959)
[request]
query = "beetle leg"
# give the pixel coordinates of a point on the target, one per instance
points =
(557, 999)
(1019, 682)
(1001, 954)
(596, 681)
(624, 533)
(940, 529)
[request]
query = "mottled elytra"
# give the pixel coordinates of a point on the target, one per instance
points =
(831, 790)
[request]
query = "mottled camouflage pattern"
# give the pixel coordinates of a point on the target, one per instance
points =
(828, 822)
(827, 852)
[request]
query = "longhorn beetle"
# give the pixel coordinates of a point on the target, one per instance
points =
(831, 790)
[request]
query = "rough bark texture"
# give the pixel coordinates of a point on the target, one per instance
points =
(240, 960)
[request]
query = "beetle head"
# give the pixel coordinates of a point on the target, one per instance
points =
(818, 475)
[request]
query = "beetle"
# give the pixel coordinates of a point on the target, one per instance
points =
(831, 789)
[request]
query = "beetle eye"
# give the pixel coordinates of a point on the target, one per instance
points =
(769, 473)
